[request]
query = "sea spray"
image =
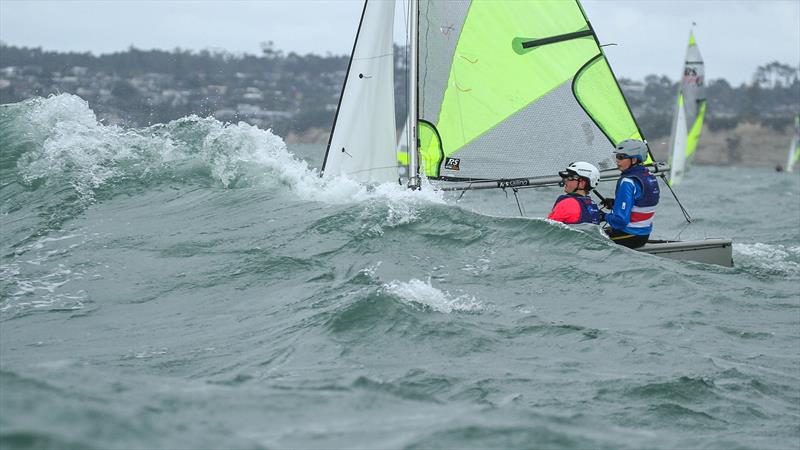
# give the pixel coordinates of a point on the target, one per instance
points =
(422, 293)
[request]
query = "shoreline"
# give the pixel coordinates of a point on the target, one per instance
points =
(746, 145)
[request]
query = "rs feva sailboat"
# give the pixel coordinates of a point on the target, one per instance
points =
(690, 110)
(502, 94)
(794, 147)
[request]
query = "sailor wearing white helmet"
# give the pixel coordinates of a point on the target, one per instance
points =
(575, 206)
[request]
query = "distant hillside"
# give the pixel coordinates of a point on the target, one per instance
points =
(296, 95)
(747, 144)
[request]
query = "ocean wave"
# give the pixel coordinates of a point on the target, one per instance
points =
(685, 389)
(423, 294)
(67, 146)
(772, 258)
(26, 293)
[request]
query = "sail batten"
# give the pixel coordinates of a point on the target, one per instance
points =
(554, 39)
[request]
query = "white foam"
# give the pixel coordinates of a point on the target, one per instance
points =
(771, 256)
(73, 144)
(424, 294)
(371, 271)
(40, 292)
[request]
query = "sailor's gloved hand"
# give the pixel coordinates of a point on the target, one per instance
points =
(602, 216)
(608, 203)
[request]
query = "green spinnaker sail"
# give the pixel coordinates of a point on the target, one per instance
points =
(794, 148)
(694, 132)
(513, 89)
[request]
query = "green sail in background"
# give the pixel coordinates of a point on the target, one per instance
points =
(794, 147)
(514, 89)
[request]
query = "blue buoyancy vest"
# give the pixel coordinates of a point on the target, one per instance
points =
(649, 184)
(644, 203)
(590, 212)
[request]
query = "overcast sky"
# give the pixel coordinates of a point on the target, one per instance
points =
(735, 36)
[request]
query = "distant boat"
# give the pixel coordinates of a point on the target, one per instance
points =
(690, 109)
(503, 94)
(794, 147)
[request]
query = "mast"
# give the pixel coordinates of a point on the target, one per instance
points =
(413, 99)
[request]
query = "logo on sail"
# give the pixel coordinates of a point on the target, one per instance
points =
(452, 164)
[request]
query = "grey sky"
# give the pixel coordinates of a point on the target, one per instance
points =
(734, 36)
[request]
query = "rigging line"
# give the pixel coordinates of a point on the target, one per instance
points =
(599, 195)
(424, 82)
(464, 192)
(683, 210)
(678, 237)
(519, 205)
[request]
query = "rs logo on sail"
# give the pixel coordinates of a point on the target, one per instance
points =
(452, 164)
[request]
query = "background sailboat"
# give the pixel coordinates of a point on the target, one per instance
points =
(501, 94)
(690, 110)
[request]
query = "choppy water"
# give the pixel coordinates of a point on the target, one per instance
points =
(196, 285)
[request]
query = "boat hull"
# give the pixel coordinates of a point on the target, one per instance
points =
(708, 251)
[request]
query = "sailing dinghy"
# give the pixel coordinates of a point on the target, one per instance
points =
(502, 94)
(690, 110)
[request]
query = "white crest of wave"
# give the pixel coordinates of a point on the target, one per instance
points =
(771, 256)
(423, 293)
(72, 142)
(89, 154)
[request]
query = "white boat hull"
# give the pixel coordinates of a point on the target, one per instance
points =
(708, 251)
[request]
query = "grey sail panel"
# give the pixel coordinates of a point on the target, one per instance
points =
(554, 124)
(440, 24)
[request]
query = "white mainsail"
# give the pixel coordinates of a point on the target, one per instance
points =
(679, 138)
(362, 141)
(794, 148)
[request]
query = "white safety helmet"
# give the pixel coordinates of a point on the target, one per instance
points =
(583, 170)
(633, 148)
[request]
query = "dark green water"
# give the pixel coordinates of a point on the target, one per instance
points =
(196, 285)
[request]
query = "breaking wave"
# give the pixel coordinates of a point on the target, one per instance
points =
(65, 143)
(422, 293)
